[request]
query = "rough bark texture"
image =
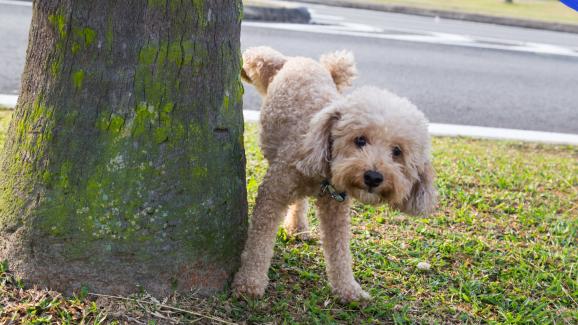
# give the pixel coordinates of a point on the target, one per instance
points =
(124, 164)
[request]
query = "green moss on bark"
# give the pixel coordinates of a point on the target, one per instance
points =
(78, 78)
(58, 21)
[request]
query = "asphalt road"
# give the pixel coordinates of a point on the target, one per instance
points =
(418, 23)
(454, 85)
(451, 83)
(15, 20)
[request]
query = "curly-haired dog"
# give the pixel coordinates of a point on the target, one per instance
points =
(370, 145)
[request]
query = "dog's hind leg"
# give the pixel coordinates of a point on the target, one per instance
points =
(275, 193)
(296, 223)
(335, 234)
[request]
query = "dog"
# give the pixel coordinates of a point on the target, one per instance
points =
(371, 145)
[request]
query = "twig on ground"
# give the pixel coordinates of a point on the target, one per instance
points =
(217, 319)
(132, 319)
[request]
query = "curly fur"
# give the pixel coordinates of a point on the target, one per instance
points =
(341, 66)
(308, 132)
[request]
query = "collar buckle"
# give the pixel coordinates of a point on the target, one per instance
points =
(327, 188)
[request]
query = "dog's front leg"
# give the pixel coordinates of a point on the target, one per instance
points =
(275, 193)
(335, 231)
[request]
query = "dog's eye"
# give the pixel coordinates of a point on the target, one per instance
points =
(360, 141)
(396, 151)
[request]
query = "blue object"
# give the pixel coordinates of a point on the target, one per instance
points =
(571, 3)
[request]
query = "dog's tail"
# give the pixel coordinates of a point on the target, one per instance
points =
(260, 65)
(342, 67)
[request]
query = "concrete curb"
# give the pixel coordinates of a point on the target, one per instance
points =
(479, 18)
(296, 15)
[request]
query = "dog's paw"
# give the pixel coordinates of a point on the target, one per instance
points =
(351, 292)
(249, 287)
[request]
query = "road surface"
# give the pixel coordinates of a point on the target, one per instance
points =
(456, 72)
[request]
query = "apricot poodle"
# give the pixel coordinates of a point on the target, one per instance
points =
(370, 145)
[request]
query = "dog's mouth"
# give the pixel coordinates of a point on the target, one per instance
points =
(386, 193)
(365, 195)
(375, 195)
(369, 198)
(372, 195)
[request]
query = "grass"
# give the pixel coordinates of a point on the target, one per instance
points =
(544, 10)
(34, 306)
(502, 248)
(4, 119)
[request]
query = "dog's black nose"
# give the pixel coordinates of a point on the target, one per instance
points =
(372, 178)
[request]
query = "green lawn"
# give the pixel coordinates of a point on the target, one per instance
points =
(502, 247)
(4, 119)
(546, 10)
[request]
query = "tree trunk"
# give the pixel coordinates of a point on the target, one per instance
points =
(124, 165)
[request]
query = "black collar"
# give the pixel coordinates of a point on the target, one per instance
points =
(326, 187)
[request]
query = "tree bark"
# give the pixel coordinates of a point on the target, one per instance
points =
(124, 167)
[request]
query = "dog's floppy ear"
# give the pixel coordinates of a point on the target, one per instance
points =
(260, 65)
(315, 153)
(423, 197)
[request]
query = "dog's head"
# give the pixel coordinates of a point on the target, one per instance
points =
(375, 146)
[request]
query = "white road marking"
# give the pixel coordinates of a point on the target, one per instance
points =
(360, 30)
(451, 130)
(435, 129)
(251, 116)
(8, 100)
(16, 3)
(501, 134)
